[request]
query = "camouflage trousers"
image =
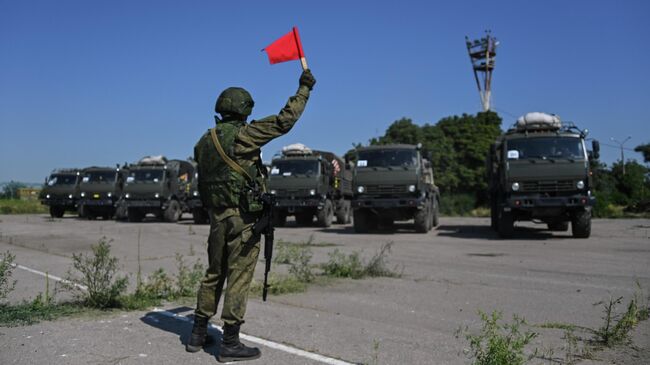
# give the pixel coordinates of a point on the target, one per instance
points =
(232, 255)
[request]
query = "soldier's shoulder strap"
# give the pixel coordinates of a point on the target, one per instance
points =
(233, 165)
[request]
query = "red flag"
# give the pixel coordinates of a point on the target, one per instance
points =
(286, 48)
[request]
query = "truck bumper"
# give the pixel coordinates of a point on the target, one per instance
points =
(530, 202)
(97, 202)
(143, 204)
(297, 203)
(388, 203)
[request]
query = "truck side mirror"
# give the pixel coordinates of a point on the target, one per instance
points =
(595, 146)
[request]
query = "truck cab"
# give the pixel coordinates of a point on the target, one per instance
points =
(394, 183)
(99, 190)
(539, 171)
(308, 183)
(61, 191)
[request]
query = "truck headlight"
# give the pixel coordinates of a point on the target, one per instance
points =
(412, 188)
(580, 184)
(83, 194)
(109, 194)
(196, 193)
(156, 195)
(273, 192)
(312, 192)
(47, 196)
(127, 195)
(70, 196)
(515, 186)
(361, 189)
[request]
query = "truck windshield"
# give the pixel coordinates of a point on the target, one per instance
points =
(546, 147)
(62, 180)
(99, 177)
(294, 167)
(145, 176)
(385, 158)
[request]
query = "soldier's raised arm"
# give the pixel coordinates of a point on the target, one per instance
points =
(260, 132)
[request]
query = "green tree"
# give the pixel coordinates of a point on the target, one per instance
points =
(645, 150)
(10, 190)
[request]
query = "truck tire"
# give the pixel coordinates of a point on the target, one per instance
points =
(361, 221)
(435, 217)
(304, 219)
(134, 215)
(173, 212)
(279, 219)
(558, 226)
(581, 224)
(423, 219)
(199, 216)
(343, 213)
(325, 216)
(57, 211)
(505, 224)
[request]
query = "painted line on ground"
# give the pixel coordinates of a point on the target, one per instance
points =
(55, 278)
(254, 339)
(267, 343)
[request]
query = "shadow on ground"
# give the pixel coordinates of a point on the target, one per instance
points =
(486, 233)
(182, 328)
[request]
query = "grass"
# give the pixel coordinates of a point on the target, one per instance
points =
(352, 266)
(39, 309)
(18, 206)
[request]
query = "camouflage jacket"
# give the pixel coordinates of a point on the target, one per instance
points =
(220, 187)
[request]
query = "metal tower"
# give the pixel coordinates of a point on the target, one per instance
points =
(482, 53)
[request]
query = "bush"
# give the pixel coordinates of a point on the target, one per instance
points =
(96, 272)
(457, 204)
(6, 270)
(187, 280)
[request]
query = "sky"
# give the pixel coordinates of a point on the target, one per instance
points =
(86, 83)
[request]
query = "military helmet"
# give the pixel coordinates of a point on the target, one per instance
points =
(234, 100)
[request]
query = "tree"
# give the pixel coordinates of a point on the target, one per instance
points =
(10, 190)
(645, 150)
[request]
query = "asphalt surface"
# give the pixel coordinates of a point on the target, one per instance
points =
(447, 276)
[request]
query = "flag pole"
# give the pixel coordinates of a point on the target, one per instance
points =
(303, 60)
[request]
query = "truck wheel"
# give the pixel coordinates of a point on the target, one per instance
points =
(279, 219)
(361, 221)
(199, 216)
(423, 219)
(325, 216)
(135, 215)
(57, 211)
(581, 224)
(558, 226)
(343, 213)
(304, 219)
(505, 224)
(173, 212)
(435, 217)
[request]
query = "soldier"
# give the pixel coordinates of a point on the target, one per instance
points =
(230, 195)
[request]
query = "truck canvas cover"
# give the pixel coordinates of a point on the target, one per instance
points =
(537, 120)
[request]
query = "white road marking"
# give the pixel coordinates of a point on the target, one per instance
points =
(267, 343)
(55, 278)
(257, 340)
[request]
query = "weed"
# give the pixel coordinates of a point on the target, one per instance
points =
(97, 273)
(279, 284)
(378, 264)
(190, 231)
(35, 311)
(499, 344)
(351, 266)
(375, 352)
(187, 280)
(6, 270)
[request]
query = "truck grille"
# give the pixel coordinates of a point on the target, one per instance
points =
(548, 186)
(292, 192)
(386, 189)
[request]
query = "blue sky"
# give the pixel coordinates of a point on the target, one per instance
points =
(103, 82)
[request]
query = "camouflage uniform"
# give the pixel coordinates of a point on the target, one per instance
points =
(232, 248)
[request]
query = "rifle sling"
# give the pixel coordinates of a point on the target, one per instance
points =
(233, 165)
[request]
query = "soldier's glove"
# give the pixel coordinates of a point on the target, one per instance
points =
(307, 79)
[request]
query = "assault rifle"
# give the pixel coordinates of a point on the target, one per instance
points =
(265, 226)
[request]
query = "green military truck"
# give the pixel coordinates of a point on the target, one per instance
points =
(199, 213)
(394, 183)
(157, 186)
(61, 191)
(99, 190)
(308, 183)
(539, 171)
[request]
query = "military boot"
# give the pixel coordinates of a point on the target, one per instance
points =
(199, 337)
(233, 350)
